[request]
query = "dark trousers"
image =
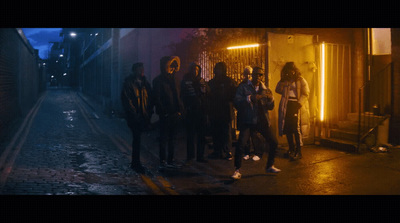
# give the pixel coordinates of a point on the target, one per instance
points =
(136, 142)
(247, 130)
(248, 146)
(253, 142)
(167, 138)
(292, 127)
(222, 136)
(195, 134)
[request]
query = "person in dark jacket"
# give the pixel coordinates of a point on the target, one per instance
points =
(246, 77)
(138, 105)
(222, 93)
(194, 90)
(168, 107)
(253, 100)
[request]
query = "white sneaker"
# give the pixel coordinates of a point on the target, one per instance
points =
(273, 169)
(246, 157)
(256, 158)
(236, 175)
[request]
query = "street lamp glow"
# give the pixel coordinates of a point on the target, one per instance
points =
(65, 74)
(96, 34)
(243, 46)
(72, 34)
(52, 76)
(322, 81)
(61, 55)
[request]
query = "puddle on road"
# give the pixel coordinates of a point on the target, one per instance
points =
(70, 117)
(69, 112)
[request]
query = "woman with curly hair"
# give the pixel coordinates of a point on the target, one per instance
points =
(294, 114)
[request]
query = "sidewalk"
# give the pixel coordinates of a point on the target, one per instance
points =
(322, 171)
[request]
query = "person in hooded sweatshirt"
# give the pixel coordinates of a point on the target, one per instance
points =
(137, 102)
(168, 107)
(194, 92)
(222, 93)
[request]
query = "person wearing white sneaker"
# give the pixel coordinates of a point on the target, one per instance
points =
(252, 101)
(256, 158)
(272, 169)
(236, 175)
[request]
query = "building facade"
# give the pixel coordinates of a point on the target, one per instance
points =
(21, 77)
(104, 56)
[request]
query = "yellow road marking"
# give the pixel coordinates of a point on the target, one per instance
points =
(166, 185)
(8, 166)
(84, 116)
(125, 147)
(16, 136)
(152, 185)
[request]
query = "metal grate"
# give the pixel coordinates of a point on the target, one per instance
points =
(236, 60)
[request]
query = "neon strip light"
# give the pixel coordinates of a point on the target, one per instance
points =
(244, 46)
(322, 81)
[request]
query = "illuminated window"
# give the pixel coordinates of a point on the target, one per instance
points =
(381, 41)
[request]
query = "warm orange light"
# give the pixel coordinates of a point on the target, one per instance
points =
(243, 46)
(322, 81)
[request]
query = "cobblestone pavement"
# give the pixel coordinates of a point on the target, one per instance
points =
(64, 155)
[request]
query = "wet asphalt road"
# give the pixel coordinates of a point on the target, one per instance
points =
(69, 147)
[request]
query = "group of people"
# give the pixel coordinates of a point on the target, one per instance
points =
(204, 106)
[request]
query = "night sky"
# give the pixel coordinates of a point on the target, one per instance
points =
(39, 38)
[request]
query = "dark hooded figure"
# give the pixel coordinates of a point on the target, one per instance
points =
(138, 105)
(194, 91)
(222, 93)
(168, 107)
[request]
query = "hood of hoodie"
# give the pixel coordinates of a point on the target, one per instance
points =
(192, 66)
(166, 61)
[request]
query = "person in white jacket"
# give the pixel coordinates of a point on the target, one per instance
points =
(294, 114)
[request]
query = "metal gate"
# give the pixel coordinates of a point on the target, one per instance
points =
(236, 60)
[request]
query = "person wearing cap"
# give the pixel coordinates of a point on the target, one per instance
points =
(253, 100)
(222, 93)
(169, 109)
(136, 98)
(194, 92)
(246, 77)
(294, 114)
